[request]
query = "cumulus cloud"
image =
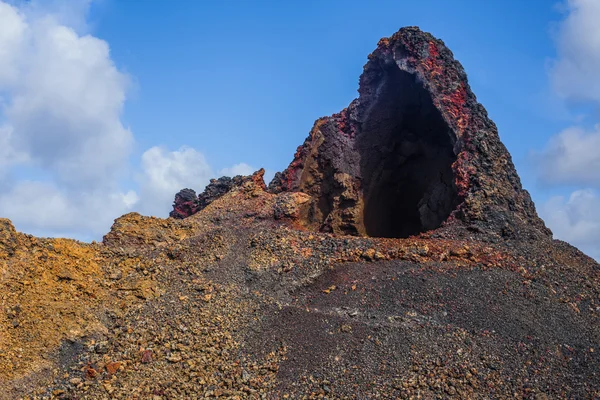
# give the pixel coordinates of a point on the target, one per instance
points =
(12, 30)
(165, 172)
(65, 103)
(64, 151)
(61, 98)
(574, 74)
(41, 208)
(237, 169)
(571, 157)
(576, 219)
(8, 155)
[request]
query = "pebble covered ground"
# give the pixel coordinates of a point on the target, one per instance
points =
(239, 301)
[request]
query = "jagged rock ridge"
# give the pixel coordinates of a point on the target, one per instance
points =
(415, 149)
(187, 203)
(413, 152)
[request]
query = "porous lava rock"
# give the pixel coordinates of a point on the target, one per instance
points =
(414, 151)
(397, 257)
(186, 203)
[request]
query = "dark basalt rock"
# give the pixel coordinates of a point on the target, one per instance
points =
(217, 188)
(186, 203)
(414, 152)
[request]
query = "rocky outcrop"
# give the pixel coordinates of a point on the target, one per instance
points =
(186, 203)
(413, 152)
(8, 237)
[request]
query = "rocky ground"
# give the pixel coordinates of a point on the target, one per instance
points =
(233, 303)
(250, 292)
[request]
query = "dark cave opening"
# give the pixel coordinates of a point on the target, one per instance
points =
(406, 152)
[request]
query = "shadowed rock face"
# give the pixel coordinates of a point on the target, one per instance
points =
(405, 152)
(415, 151)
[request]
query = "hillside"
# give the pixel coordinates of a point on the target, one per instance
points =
(397, 256)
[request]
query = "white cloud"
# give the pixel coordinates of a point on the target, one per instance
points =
(8, 155)
(43, 209)
(571, 157)
(576, 220)
(61, 100)
(574, 74)
(237, 169)
(12, 29)
(65, 103)
(164, 173)
(71, 13)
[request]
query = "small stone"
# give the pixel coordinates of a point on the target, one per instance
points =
(245, 376)
(75, 381)
(329, 289)
(113, 367)
(146, 356)
(108, 387)
(65, 275)
(115, 276)
(90, 373)
(101, 348)
(369, 254)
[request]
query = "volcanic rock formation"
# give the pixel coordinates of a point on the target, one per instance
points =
(396, 257)
(414, 152)
(186, 203)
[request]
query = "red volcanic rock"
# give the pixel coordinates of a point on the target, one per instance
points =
(413, 152)
(186, 204)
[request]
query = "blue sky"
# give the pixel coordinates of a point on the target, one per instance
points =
(239, 83)
(244, 81)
